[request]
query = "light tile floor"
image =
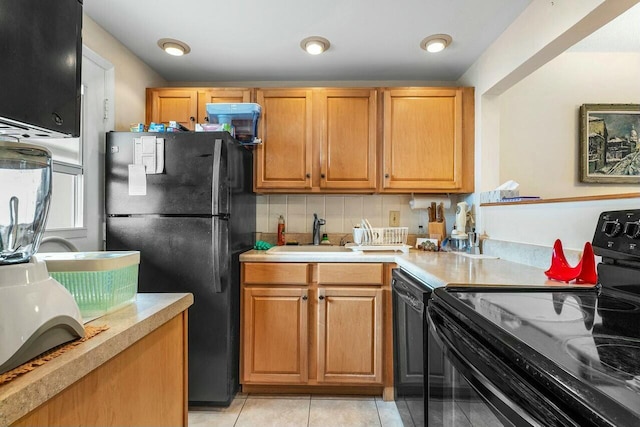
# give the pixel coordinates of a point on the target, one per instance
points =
(300, 410)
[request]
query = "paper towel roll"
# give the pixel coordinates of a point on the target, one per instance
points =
(423, 202)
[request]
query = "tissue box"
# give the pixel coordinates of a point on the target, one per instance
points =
(495, 196)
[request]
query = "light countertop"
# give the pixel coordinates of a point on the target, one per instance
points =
(126, 326)
(434, 268)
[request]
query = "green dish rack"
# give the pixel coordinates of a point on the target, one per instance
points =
(100, 282)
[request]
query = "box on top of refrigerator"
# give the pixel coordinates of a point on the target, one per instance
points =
(243, 117)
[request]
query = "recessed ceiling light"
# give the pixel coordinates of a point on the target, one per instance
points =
(436, 42)
(315, 45)
(174, 47)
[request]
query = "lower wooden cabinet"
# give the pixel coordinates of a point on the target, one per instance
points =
(327, 331)
(146, 384)
(275, 331)
(350, 335)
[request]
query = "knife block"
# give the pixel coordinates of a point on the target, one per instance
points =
(437, 230)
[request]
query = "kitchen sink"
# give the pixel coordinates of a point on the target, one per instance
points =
(311, 250)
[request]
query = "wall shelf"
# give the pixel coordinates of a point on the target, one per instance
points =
(566, 199)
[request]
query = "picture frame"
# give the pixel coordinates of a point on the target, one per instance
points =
(609, 145)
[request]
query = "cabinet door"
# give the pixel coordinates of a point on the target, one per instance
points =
(350, 335)
(347, 136)
(423, 139)
(284, 159)
(179, 105)
(218, 95)
(275, 330)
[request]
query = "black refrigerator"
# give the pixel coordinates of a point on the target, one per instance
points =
(190, 219)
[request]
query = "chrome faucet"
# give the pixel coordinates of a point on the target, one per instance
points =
(317, 222)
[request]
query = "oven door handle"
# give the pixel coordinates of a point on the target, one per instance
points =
(446, 330)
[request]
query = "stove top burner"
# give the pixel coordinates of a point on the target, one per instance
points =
(615, 357)
(601, 302)
(537, 308)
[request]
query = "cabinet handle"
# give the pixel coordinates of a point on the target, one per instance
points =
(322, 175)
(386, 175)
(321, 297)
(304, 298)
(193, 119)
(308, 175)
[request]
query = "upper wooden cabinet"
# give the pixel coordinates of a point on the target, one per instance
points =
(317, 140)
(188, 106)
(172, 104)
(346, 133)
(219, 95)
(427, 140)
(284, 159)
(346, 140)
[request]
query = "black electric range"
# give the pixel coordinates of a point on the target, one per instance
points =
(560, 356)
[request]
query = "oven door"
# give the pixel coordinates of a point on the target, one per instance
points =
(477, 388)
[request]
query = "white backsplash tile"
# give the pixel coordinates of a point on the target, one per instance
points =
(315, 204)
(334, 224)
(299, 224)
(277, 207)
(353, 206)
(340, 212)
(262, 213)
(334, 206)
(296, 205)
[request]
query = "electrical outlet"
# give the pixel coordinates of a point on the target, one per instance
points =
(394, 218)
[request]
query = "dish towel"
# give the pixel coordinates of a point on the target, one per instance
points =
(261, 245)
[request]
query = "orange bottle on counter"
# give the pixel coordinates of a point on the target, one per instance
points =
(281, 231)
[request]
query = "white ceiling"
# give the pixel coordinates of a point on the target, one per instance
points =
(250, 40)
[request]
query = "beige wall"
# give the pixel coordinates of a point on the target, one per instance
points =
(544, 31)
(132, 75)
(539, 120)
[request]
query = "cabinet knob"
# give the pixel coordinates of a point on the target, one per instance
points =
(386, 175)
(322, 175)
(193, 119)
(321, 297)
(304, 298)
(308, 175)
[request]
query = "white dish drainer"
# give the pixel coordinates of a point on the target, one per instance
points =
(380, 239)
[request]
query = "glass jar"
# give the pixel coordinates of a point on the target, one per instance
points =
(25, 194)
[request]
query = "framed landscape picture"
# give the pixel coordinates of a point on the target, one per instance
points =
(609, 146)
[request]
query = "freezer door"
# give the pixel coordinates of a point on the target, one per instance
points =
(179, 254)
(194, 180)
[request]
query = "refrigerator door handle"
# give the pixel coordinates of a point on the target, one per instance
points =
(217, 157)
(217, 282)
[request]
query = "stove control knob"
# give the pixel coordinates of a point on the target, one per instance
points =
(612, 228)
(632, 229)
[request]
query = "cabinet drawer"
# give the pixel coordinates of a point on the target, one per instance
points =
(276, 273)
(350, 273)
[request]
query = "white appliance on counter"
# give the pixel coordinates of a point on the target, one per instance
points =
(36, 312)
